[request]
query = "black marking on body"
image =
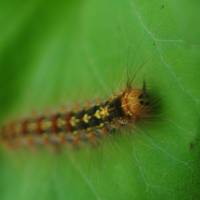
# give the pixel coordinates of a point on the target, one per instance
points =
(114, 112)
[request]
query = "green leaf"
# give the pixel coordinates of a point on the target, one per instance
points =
(54, 53)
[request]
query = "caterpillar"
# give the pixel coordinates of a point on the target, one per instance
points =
(85, 125)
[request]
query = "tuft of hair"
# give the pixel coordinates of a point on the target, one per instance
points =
(136, 102)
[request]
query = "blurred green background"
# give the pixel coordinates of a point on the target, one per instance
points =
(60, 52)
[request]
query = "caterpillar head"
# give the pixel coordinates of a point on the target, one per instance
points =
(136, 102)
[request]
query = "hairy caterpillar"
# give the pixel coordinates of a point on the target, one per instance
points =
(86, 125)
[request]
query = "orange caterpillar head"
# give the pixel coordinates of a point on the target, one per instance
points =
(135, 103)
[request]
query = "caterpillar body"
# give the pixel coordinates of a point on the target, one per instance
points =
(85, 125)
